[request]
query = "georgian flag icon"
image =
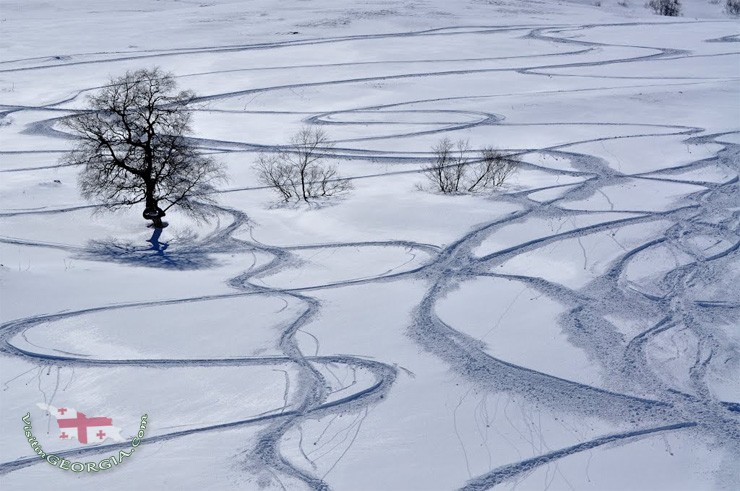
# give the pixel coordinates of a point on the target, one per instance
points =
(74, 424)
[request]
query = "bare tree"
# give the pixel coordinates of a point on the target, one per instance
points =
(278, 174)
(491, 171)
(133, 146)
(452, 171)
(670, 8)
(298, 172)
(447, 170)
(732, 7)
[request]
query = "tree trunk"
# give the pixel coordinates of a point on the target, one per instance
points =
(157, 222)
(152, 211)
(155, 215)
(303, 183)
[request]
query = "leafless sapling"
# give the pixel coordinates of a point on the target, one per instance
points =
(299, 171)
(454, 170)
(447, 170)
(670, 8)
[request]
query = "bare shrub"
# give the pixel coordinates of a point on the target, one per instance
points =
(272, 171)
(670, 8)
(299, 172)
(732, 7)
(447, 170)
(452, 171)
(491, 171)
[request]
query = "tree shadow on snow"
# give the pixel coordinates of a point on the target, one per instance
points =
(182, 252)
(313, 204)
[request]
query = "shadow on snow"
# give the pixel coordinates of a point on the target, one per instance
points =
(179, 253)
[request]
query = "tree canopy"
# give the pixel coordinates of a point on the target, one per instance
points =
(134, 146)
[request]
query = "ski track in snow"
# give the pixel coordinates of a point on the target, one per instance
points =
(711, 212)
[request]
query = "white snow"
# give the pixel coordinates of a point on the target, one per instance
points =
(577, 328)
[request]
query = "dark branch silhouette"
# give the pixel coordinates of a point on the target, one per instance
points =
(298, 172)
(133, 146)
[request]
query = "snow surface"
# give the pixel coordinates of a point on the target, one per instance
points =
(578, 328)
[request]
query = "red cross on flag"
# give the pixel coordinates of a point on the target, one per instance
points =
(74, 424)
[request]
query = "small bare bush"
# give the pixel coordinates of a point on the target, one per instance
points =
(732, 7)
(491, 171)
(299, 172)
(670, 8)
(272, 171)
(447, 170)
(452, 171)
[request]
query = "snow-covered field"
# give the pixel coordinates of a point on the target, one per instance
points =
(577, 329)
